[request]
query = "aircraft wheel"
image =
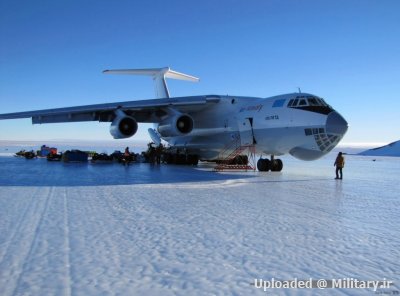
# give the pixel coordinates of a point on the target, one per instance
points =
(263, 165)
(277, 165)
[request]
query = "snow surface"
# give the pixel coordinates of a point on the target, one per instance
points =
(392, 149)
(90, 229)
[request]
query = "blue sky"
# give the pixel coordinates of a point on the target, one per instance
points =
(52, 54)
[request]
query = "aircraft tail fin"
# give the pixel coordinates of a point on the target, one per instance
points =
(159, 75)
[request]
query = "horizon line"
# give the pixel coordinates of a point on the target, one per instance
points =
(340, 145)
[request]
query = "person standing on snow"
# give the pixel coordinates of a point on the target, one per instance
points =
(127, 152)
(339, 163)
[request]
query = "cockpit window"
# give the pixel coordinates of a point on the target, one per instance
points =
(323, 102)
(303, 102)
(306, 101)
(313, 102)
(309, 103)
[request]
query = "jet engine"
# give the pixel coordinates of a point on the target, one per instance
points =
(123, 126)
(177, 125)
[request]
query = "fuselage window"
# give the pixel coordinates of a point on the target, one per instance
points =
(278, 103)
(295, 102)
(290, 103)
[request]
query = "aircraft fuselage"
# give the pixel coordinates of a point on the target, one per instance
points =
(300, 124)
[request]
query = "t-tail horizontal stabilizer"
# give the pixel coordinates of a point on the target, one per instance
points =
(159, 75)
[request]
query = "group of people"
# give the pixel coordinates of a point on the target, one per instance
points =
(152, 155)
(155, 155)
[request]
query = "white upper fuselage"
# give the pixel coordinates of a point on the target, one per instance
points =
(303, 130)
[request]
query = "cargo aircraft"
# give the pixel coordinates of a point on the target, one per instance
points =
(300, 124)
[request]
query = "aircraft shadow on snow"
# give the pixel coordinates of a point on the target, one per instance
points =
(39, 172)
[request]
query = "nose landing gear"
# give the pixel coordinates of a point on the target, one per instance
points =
(264, 164)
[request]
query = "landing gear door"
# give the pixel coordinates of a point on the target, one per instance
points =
(246, 131)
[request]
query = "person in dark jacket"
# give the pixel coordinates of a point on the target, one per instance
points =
(126, 159)
(127, 152)
(339, 163)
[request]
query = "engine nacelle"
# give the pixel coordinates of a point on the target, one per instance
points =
(123, 126)
(178, 125)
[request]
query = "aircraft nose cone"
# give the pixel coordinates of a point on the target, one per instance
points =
(336, 124)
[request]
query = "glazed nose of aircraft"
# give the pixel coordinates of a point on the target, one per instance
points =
(336, 124)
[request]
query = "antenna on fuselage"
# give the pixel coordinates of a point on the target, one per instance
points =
(299, 90)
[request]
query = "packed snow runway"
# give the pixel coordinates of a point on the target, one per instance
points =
(84, 229)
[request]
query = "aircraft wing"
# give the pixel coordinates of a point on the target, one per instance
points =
(143, 110)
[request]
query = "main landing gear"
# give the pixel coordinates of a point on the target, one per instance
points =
(264, 164)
